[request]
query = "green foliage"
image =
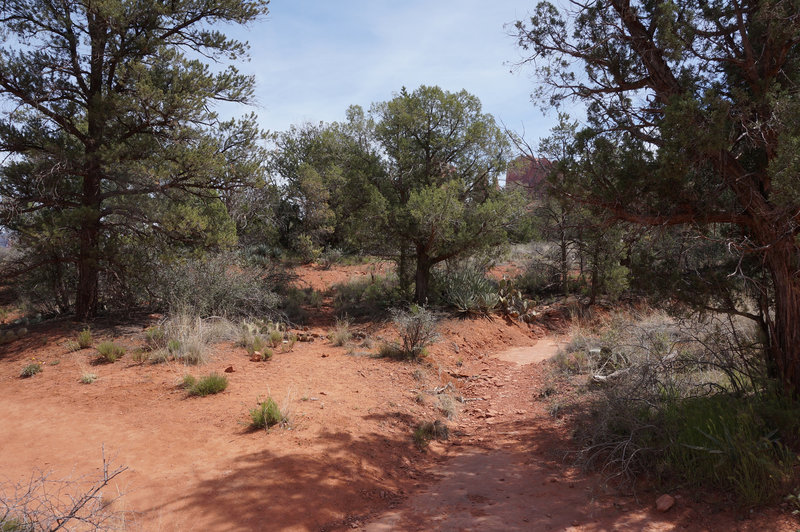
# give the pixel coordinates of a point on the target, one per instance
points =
(467, 289)
(85, 340)
(689, 159)
(100, 187)
(726, 442)
(442, 202)
(30, 370)
(109, 351)
(209, 385)
(365, 296)
(266, 415)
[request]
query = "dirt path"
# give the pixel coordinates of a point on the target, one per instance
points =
(506, 470)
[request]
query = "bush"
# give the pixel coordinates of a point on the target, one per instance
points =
(88, 378)
(417, 330)
(209, 385)
(267, 414)
(340, 334)
(686, 400)
(85, 340)
(430, 430)
(110, 352)
(30, 370)
(187, 338)
(221, 285)
(365, 296)
(467, 289)
(330, 257)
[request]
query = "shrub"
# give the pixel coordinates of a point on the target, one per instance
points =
(154, 337)
(430, 430)
(365, 296)
(267, 414)
(30, 370)
(110, 352)
(467, 289)
(329, 257)
(85, 340)
(305, 249)
(88, 378)
(187, 338)
(340, 334)
(417, 330)
(209, 385)
(685, 400)
(220, 285)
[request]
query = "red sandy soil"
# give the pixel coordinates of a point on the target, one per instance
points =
(347, 460)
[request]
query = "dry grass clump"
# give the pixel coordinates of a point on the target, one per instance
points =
(340, 335)
(187, 338)
(687, 400)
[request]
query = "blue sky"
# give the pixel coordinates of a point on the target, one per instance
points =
(314, 58)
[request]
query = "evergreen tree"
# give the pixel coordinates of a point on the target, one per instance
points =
(113, 140)
(693, 109)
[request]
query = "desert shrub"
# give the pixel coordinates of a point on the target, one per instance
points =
(365, 296)
(209, 385)
(430, 430)
(262, 336)
(466, 289)
(686, 400)
(305, 249)
(109, 351)
(295, 299)
(447, 406)
(330, 257)
(267, 414)
(85, 340)
(30, 370)
(220, 285)
(340, 334)
(417, 330)
(88, 378)
(188, 338)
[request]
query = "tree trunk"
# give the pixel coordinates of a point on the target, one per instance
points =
(86, 298)
(783, 262)
(564, 267)
(423, 278)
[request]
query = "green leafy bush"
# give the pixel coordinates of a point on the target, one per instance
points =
(267, 414)
(110, 352)
(209, 385)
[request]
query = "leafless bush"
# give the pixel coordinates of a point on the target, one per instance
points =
(641, 369)
(43, 503)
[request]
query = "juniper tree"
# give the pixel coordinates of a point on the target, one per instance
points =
(693, 112)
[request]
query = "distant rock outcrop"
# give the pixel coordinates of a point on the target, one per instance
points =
(529, 173)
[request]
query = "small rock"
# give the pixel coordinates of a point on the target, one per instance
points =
(229, 369)
(665, 502)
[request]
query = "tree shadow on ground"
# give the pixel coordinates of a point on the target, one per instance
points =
(269, 490)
